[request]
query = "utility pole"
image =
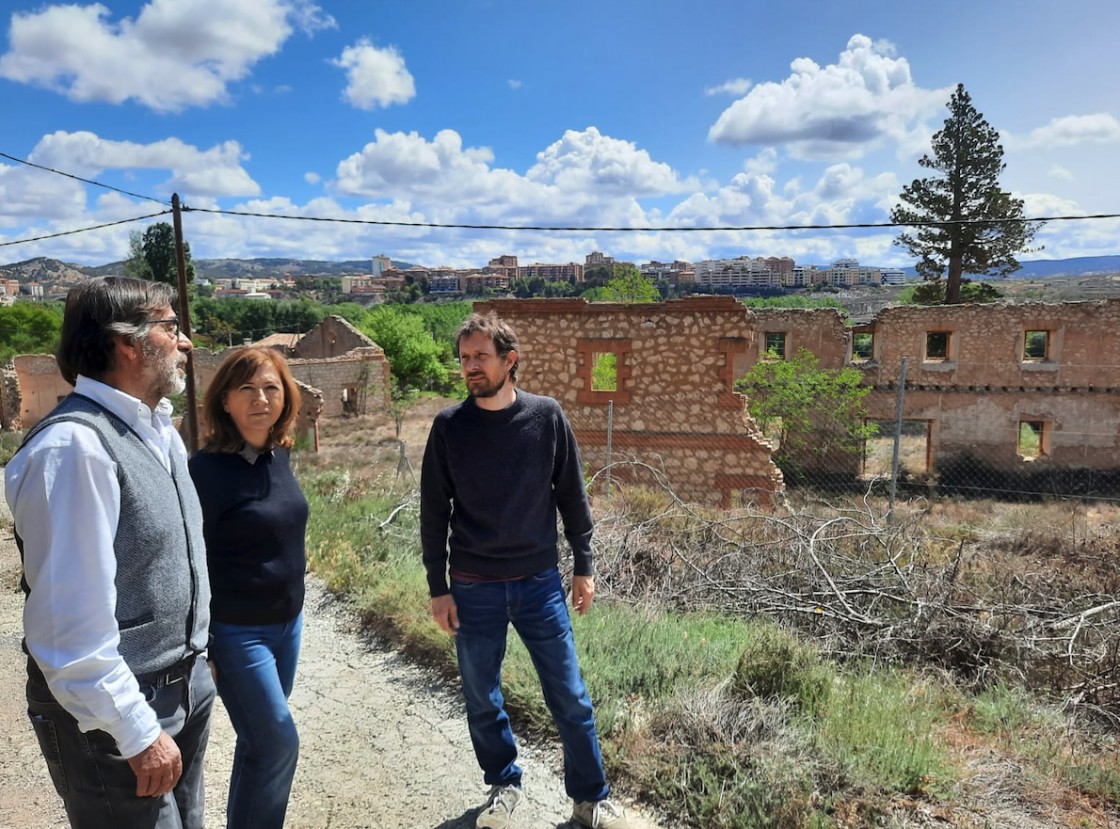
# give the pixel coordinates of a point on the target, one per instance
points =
(191, 414)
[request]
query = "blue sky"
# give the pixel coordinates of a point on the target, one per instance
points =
(627, 113)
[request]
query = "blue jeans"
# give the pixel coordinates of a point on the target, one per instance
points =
(536, 608)
(256, 666)
(97, 785)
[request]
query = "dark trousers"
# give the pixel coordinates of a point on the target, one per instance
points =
(97, 785)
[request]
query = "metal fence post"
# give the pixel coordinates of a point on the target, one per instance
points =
(610, 435)
(897, 435)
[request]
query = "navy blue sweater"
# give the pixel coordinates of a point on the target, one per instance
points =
(496, 480)
(254, 519)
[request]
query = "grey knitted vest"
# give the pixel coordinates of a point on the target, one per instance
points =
(163, 592)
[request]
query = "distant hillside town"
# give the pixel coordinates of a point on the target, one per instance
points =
(381, 278)
(741, 273)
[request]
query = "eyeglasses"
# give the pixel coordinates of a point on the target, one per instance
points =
(172, 325)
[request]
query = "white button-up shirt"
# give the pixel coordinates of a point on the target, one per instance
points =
(63, 492)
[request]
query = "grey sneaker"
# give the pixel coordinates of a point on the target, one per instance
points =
(602, 814)
(498, 807)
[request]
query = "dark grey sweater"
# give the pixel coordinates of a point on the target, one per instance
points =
(163, 594)
(496, 480)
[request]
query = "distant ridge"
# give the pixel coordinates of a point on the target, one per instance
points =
(43, 269)
(1077, 266)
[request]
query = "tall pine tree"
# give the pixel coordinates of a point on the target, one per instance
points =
(152, 255)
(961, 221)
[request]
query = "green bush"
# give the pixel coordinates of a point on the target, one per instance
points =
(775, 664)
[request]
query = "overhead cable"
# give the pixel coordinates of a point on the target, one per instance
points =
(83, 180)
(83, 229)
(650, 229)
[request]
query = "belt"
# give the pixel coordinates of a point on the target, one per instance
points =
(176, 673)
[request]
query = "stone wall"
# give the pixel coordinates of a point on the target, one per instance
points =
(976, 396)
(40, 388)
(10, 399)
(333, 337)
(355, 383)
(673, 407)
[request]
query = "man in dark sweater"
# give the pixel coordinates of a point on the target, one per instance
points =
(497, 468)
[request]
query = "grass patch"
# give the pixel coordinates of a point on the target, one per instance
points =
(881, 727)
(9, 443)
(726, 721)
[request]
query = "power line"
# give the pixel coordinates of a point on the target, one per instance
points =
(82, 229)
(79, 178)
(535, 228)
(651, 229)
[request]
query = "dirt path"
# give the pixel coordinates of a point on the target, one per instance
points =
(384, 744)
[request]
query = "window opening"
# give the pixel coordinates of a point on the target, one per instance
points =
(913, 449)
(937, 345)
(776, 345)
(862, 346)
(604, 371)
(1036, 346)
(1032, 439)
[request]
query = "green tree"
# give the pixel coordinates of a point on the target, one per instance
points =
(152, 255)
(29, 328)
(933, 293)
(816, 414)
(628, 285)
(414, 356)
(961, 220)
(136, 266)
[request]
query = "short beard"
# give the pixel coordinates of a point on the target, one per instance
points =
(168, 379)
(490, 390)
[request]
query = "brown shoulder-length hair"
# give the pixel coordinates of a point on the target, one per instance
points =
(219, 432)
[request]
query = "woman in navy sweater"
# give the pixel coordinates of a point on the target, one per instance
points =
(254, 522)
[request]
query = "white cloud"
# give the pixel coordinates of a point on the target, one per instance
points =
(1057, 171)
(839, 110)
(514, 84)
(736, 86)
(597, 164)
(175, 54)
(1068, 131)
(407, 166)
(312, 178)
(213, 172)
(375, 77)
(766, 161)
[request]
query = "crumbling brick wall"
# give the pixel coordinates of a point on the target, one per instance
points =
(673, 405)
(333, 337)
(10, 399)
(40, 387)
(355, 383)
(986, 385)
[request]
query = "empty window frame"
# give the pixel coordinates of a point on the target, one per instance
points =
(915, 453)
(1036, 346)
(937, 346)
(1034, 439)
(863, 346)
(604, 371)
(775, 345)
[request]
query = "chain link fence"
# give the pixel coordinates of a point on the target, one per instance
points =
(900, 442)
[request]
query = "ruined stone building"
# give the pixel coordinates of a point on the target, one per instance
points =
(672, 406)
(340, 372)
(978, 378)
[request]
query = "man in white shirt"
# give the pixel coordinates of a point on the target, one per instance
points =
(110, 532)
